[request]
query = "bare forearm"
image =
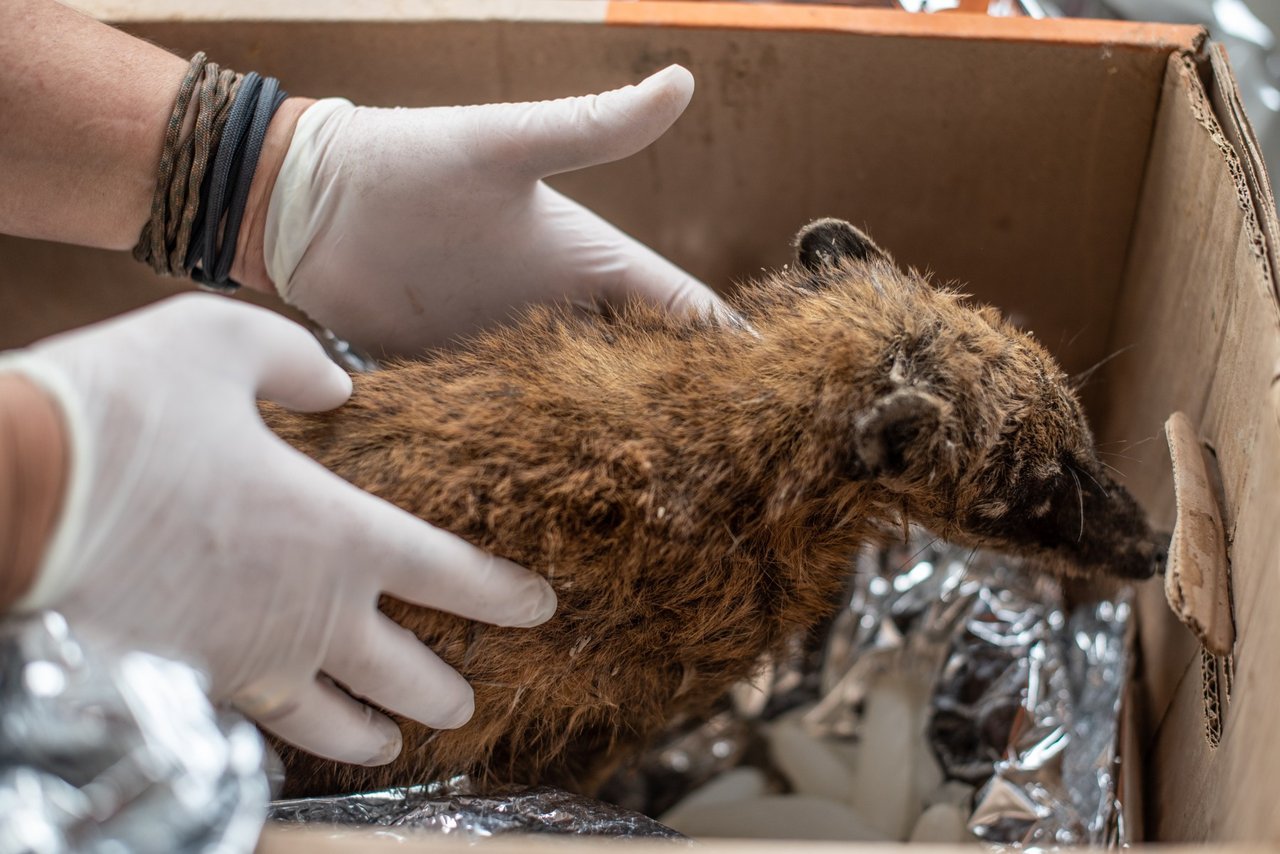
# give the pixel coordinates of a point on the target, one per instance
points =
(33, 471)
(85, 108)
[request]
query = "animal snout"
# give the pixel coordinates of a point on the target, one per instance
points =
(1160, 558)
(1145, 558)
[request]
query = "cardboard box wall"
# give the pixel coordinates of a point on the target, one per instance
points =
(1095, 180)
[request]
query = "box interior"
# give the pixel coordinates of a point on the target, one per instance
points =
(1076, 177)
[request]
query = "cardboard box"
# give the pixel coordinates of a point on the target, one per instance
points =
(1096, 180)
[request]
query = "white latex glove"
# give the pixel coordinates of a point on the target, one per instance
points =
(400, 229)
(191, 530)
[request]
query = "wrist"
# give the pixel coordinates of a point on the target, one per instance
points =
(34, 470)
(250, 266)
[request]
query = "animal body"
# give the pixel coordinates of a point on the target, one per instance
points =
(693, 492)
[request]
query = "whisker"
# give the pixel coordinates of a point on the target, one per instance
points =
(1129, 444)
(973, 553)
(1078, 334)
(1113, 468)
(1085, 472)
(911, 559)
(1080, 495)
(1079, 380)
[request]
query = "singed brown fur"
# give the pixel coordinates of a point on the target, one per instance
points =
(693, 492)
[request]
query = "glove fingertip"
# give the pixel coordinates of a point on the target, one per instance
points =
(462, 714)
(678, 79)
(325, 386)
(391, 747)
(527, 598)
(542, 607)
(338, 385)
(666, 94)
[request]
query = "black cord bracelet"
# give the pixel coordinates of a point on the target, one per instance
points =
(224, 193)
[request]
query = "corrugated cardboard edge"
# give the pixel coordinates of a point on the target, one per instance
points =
(1197, 579)
(1120, 35)
(1224, 95)
(1203, 108)
(277, 841)
(1216, 674)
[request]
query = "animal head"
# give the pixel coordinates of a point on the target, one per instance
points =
(944, 411)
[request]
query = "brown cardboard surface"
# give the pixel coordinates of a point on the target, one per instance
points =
(1174, 281)
(292, 841)
(1198, 309)
(276, 841)
(48, 287)
(1129, 787)
(817, 17)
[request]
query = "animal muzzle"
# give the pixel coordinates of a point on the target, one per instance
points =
(1141, 559)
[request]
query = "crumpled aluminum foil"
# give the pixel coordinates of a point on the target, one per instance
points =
(109, 753)
(1025, 699)
(342, 352)
(1026, 702)
(451, 807)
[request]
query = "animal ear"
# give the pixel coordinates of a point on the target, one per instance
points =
(904, 433)
(826, 242)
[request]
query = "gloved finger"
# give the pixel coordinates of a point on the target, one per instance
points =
(286, 363)
(573, 133)
(621, 267)
(323, 720)
(425, 565)
(387, 665)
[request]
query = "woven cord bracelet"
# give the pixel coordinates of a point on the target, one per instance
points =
(202, 183)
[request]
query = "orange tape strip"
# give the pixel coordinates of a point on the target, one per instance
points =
(888, 22)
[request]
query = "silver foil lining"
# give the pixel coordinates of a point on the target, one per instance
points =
(1024, 703)
(108, 752)
(452, 807)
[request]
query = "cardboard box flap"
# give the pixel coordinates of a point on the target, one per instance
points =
(1197, 580)
(1224, 95)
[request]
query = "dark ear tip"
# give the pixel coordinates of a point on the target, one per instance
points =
(825, 242)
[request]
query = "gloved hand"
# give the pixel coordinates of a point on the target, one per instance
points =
(402, 229)
(190, 530)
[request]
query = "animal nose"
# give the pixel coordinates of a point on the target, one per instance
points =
(1160, 556)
